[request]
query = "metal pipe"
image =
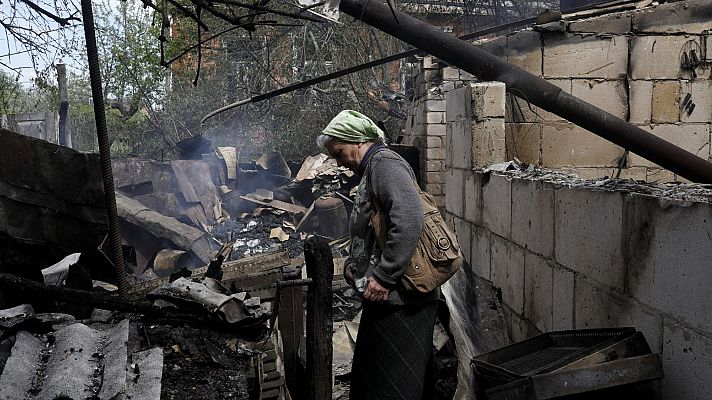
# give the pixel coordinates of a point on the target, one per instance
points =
(117, 256)
(536, 90)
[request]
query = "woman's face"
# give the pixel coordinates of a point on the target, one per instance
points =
(347, 154)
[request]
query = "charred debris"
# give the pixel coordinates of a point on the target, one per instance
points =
(214, 253)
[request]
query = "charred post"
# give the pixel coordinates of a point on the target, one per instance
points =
(319, 329)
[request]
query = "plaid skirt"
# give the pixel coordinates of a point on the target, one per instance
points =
(394, 346)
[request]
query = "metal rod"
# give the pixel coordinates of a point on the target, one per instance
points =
(117, 256)
(536, 90)
(350, 70)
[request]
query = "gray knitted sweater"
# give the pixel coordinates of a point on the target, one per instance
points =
(393, 188)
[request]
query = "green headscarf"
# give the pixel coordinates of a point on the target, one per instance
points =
(352, 126)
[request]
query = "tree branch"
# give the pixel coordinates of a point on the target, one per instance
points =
(57, 19)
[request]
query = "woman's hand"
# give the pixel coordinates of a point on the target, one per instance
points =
(375, 292)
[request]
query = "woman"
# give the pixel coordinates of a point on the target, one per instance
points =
(395, 335)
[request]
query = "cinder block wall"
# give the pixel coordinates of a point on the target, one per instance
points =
(627, 63)
(568, 255)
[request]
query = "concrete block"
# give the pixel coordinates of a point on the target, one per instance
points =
(666, 102)
(435, 177)
(566, 145)
(533, 216)
(519, 110)
(659, 175)
(435, 166)
(488, 142)
(687, 362)
(430, 62)
(669, 265)
(573, 55)
(538, 291)
(609, 23)
(461, 140)
(508, 272)
(435, 129)
(589, 173)
(641, 105)
(496, 45)
(597, 307)
(523, 141)
(434, 142)
(524, 50)
(473, 198)
(694, 138)
(608, 95)
(562, 306)
(701, 96)
(589, 233)
(459, 104)
(488, 100)
(435, 105)
(634, 173)
(463, 232)
(675, 17)
(450, 74)
(435, 117)
(454, 184)
(497, 204)
(656, 57)
(435, 189)
(480, 252)
(521, 328)
(435, 154)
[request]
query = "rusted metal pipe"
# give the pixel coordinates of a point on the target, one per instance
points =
(97, 95)
(536, 90)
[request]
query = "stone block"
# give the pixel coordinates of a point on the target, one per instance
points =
(674, 17)
(687, 362)
(566, 145)
(701, 96)
(589, 233)
(463, 232)
(608, 95)
(488, 142)
(669, 257)
(473, 198)
(538, 291)
(488, 100)
(533, 216)
(694, 138)
(460, 138)
(454, 185)
(641, 106)
(523, 141)
(435, 117)
(435, 129)
(562, 306)
(597, 307)
(573, 55)
(480, 252)
(666, 102)
(459, 104)
(656, 57)
(497, 204)
(434, 142)
(524, 50)
(610, 23)
(508, 272)
(519, 110)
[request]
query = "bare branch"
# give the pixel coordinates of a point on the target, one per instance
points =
(57, 19)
